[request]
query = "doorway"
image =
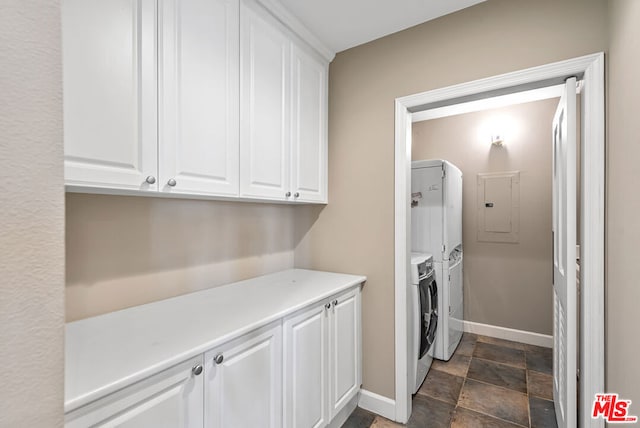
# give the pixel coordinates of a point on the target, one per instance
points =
(590, 69)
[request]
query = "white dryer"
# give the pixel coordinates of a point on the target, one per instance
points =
(423, 316)
(436, 228)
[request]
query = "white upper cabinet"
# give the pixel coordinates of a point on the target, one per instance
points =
(309, 127)
(199, 95)
(265, 100)
(283, 132)
(110, 105)
(192, 98)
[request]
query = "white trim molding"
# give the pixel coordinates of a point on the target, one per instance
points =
(377, 404)
(492, 103)
(590, 69)
(512, 334)
(277, 9)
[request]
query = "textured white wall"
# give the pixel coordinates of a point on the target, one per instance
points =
(32, 207)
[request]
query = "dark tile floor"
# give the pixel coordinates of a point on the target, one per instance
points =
(487, 383)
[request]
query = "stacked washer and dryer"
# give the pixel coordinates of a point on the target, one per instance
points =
(436, 241)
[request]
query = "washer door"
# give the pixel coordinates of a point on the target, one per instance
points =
(428, 313)
(433, 324)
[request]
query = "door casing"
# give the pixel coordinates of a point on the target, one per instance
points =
(590, 69)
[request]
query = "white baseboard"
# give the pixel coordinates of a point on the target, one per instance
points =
(342, 416)
(378, 404)
(509, 334)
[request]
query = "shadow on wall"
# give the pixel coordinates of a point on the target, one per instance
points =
(124, 251)
(305, 217)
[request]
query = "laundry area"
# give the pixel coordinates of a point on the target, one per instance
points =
(296, 214)
(480, 308)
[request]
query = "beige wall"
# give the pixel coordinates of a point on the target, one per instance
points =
(355, 232)
(507, 285)
(623, 202)
(32, 206)
(125, 251)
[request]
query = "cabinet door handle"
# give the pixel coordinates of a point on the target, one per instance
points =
(171, 182)
(218, 359)
(287, 194)
(197, 369)
(328, 305)
(295, 195)
(334, 303)
(150, 179)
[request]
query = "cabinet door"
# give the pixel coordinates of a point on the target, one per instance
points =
(199, 90)
(110, 93)
(244, 381)
(309, 127)
(345, 350)
(171, 399)
(306, 369)
(265, 104)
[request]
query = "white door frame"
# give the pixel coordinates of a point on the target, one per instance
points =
(591, 69)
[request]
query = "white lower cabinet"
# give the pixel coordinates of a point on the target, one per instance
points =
(300, 371)
(345, 350)
(306, 361)
(243, 381)
(171, 399)
(322, 361)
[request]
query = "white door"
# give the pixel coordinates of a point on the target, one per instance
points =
(306, 368)
(564, 258)
(199, 90)
(309, 127)
(171, 399)
(110, 93)
(265, 104)
(243, 381)
(345, 350)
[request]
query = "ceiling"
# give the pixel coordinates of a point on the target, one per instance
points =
(343, 24)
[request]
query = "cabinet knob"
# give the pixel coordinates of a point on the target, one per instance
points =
(287, 194)
(171, 182)
(334, 303)
(150, 179)
(197, 369)
(295, 195)
(327, 306)
(218, 359)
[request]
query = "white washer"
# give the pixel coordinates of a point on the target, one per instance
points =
(423, 321)
(450, 324)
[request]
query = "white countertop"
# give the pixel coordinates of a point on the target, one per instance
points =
(106, 353)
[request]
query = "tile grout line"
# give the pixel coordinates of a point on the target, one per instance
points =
(480, 412)
(497, 386)
(466, 377)
(504, 364)
(464, 381)
(493, 416)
